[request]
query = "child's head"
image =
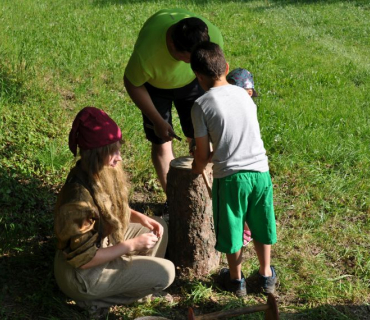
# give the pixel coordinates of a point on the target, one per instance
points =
(208, 60)
(242, 78)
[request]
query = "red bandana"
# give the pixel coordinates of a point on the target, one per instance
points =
(93, 128)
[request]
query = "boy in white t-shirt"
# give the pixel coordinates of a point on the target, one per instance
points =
(244, 79)
(242, 188)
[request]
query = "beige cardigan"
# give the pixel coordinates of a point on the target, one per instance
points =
(76, 221)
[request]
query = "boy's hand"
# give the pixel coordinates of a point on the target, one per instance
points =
(195, 168)
(201, 154)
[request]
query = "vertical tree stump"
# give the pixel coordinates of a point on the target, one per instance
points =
(191, 230)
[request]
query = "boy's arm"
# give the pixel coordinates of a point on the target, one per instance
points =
(201, 154)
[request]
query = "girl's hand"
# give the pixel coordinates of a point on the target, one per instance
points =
(143, 242)
(154, 226)
(148, 222)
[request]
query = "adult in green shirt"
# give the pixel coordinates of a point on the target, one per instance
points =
(159, 74)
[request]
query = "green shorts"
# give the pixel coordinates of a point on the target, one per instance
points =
(243, 196)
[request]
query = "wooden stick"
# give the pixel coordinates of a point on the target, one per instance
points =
(208, 185)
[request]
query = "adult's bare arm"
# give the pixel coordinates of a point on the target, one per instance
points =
(142, 100)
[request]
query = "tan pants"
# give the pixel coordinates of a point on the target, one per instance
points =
(121, 281)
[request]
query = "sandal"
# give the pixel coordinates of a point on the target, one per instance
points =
(247, 237)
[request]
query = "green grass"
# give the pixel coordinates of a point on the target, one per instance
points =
(311, 67)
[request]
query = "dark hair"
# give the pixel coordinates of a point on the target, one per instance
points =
(208, 59)
(188, 32)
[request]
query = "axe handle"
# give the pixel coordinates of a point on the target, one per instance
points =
(208, 185)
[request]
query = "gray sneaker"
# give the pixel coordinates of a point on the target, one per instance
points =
(268, 284)
(238, 287)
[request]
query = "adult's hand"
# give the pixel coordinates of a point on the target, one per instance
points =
(164, 130)
(141, 98)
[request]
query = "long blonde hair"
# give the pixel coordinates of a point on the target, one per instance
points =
(93, 160)
(109, 189)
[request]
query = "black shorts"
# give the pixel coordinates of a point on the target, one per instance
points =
(183, 99)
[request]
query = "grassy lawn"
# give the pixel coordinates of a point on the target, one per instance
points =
(311, 65)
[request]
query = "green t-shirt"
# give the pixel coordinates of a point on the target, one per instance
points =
(151, 61)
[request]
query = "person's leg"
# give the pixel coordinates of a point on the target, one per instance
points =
(267, 273)
(264, 257)
(127, 279)
(162, 155)
(234, 261)
(228, 213)
(139, 276)
(261, 220)
(161, 151)
(230, 202)
(232, 279)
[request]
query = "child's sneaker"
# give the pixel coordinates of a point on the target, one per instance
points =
(268, 283)
(238, 287)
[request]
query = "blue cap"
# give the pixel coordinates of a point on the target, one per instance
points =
(242, 78)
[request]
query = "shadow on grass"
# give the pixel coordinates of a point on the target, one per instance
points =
(325, 312)
(26, 208)
(287, 311)
(148, 208)
(28, 289)
(11, 85)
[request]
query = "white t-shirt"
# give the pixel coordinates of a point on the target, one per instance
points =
(229, 116)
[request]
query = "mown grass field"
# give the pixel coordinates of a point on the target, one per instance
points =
(311, 65)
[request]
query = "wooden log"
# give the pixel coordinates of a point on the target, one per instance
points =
(191, 238)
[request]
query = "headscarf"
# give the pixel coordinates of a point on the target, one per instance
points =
(93, 128)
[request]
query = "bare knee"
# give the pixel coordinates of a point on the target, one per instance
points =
(162, 149)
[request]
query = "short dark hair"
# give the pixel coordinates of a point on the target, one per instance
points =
(189, 32)
(208, 59)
